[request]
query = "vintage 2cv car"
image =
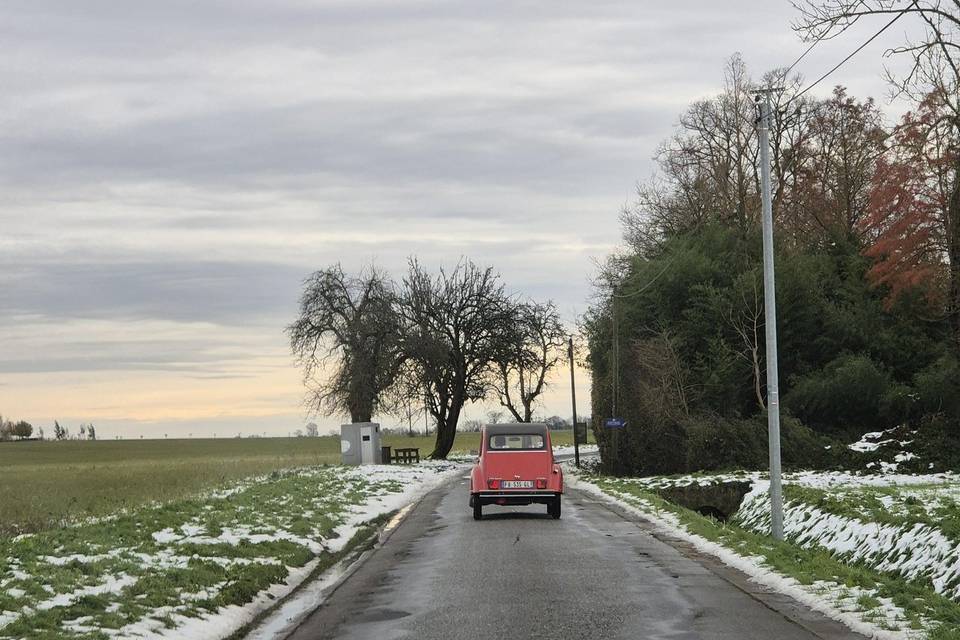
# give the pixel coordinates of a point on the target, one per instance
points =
(516, 467)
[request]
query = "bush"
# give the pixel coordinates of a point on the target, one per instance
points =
(803, 448)
(937, 441)
(644, 447)
(724, 444)
(938, 388)
(849, 395)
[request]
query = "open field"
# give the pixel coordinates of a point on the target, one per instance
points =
(47, 484)
(198, 567)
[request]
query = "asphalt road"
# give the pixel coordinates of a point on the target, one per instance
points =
(519, 574)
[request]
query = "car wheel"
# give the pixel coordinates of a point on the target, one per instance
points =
(554, 508)
(477, 509)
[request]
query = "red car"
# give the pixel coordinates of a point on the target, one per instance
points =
(516, 467)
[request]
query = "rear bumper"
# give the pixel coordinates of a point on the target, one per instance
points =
(514, 497)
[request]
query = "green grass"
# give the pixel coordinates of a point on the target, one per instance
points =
(922, 606)
(48, 484)
(51, 483)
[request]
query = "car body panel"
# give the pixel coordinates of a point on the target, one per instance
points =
(542, 476)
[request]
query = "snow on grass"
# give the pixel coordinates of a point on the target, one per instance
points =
(880, 523)
(946, 481)
(830, 597)
(569, 450)
(198, 568)
(916, 551)
(897, 523)
(111, 585)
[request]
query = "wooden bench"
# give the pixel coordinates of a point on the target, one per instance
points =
(406, 455)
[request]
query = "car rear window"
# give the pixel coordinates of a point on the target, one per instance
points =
(517, 442)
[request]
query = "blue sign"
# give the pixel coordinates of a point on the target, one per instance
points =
(614, 423)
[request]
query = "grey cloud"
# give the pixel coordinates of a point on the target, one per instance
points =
(188, 162)
(440, 142)
(230, 293)
(149, 361)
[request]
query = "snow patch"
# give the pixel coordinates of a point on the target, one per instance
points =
(112, 584)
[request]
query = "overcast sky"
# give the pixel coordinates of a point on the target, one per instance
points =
(171, 171)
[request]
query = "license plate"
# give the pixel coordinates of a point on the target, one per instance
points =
(517, 484)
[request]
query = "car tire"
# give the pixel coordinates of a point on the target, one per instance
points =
(477, 509)
(554, 508)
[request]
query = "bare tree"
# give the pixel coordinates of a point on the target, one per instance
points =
(659, 383)
(745, 316)
(472, 426)
(406, 396)
(347, 329)
(935, 58)
(534, 347)
(495, 416)
(454, 327)
(830, 190)
(707, 171)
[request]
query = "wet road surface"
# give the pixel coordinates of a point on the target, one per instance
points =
(519, 574)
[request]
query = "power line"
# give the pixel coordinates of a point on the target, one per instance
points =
(649, 284)
(855, 52)
(804, 54)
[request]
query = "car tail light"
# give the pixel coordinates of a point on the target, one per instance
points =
(493, 483)
(541, 483)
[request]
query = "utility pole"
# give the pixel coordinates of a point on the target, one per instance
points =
(615, 436)
(426, 413)
(573, 400)
(770, 318)
(616, 356)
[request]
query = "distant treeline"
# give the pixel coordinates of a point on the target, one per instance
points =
(23, 430)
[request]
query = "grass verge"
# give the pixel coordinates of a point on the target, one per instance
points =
(849, 586)
(364, 539)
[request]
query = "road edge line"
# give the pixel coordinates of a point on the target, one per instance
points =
(351, 563)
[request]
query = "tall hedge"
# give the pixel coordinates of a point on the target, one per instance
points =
(848, 363)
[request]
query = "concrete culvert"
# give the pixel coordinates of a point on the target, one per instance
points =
(712, 512)
(719, 500)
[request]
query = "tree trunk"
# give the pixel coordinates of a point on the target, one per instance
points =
(757, 385)
(953, 251)
(360, 416)
(527, 411)
(361, 410)
(447, 432)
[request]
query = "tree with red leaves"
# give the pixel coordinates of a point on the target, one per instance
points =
(911, 221)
